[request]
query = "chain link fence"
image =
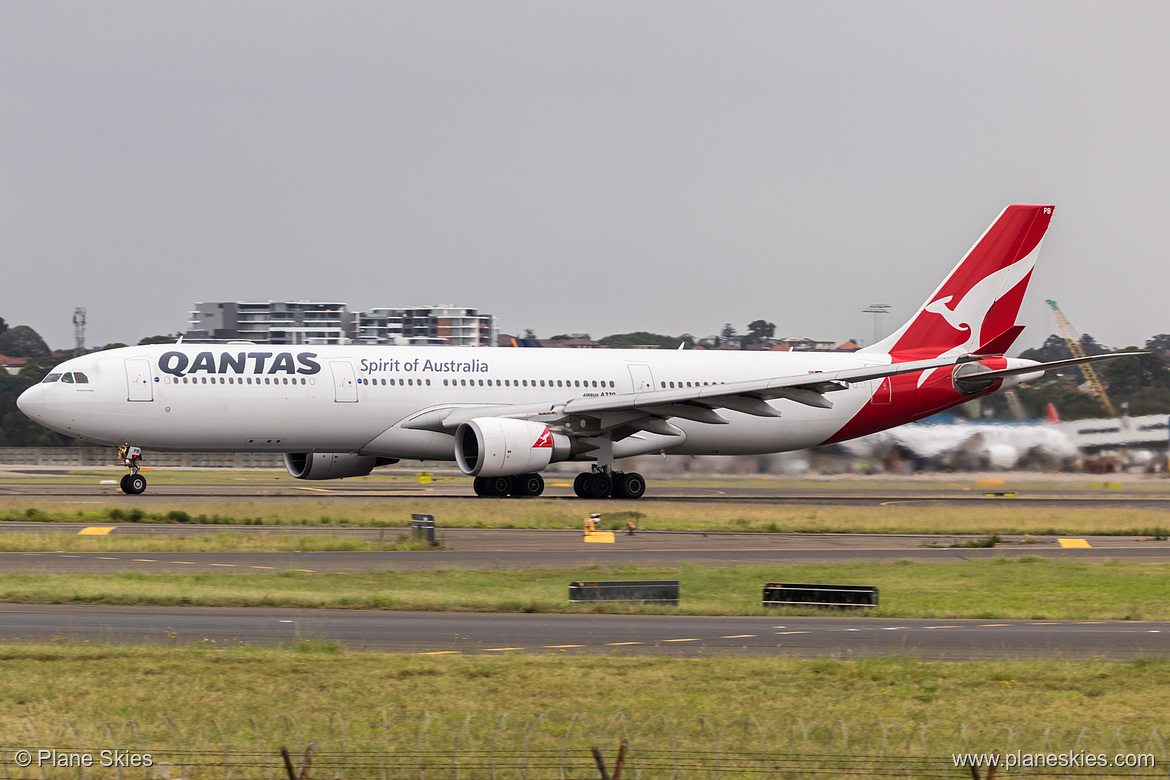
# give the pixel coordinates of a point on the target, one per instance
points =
(471, 746)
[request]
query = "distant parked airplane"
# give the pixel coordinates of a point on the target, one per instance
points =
(505, 414)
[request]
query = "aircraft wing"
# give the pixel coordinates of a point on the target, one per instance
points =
(649, 410)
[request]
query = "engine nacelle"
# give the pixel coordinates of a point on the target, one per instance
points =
(331, 465)
(504, 447)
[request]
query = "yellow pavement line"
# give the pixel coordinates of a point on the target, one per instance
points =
(500, 649)
(558, 647)
(1045, 624)
(96, 530)
(146, 560)
(104, 558)
(319, 490)
(682, 640)
(185, 563)
(790, 632)
(263, 567)
(993, 625)
(441, 652)
(222, 564)
(615, 644)
(737, 636)
(1081, 543)
(1090, 622)
(944, 626)
(308, 571)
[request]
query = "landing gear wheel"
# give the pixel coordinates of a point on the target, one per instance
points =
(122, 483)
(630, 485)
(527, 485)
(598, 485)
(499, 486)
(133, 484)
(579, 484)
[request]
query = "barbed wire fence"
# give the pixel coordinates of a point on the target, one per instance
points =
(471, 746)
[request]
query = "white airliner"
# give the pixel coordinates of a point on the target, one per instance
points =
(505, 414)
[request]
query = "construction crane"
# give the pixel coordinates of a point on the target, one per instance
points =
(1074, 346)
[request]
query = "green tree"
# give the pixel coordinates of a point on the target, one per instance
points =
(23, 341)
(3, 326)
(759, 329)
(159, 340)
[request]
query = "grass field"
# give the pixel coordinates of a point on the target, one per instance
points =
(223, 541)
(216, 698)
(1021, 588)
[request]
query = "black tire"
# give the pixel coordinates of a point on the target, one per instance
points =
(122, 484)
(135, 484)
(499, 486)
(579, 484)
(633, 485)
(598, 486)
(527, 485)
(479, 484)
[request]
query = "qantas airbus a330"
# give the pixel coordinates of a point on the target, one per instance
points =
(505, 414)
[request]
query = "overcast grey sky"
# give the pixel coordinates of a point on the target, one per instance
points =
(595, 167)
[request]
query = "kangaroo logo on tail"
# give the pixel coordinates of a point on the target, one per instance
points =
(981, 297)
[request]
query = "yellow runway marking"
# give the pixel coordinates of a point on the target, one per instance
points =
(307, 571)
(1078, 543)
(263, 567)
(319, 490)
(1044, 624)
(500, 649)
(682, 640)
(616, 644)
(222, 564)
(146, 560)
(96, 530)
(780, 633)
(559, 647)
(185, 563)
(993, 625)
(70, 556)
(1090, 622)
(442, 652)
(737, 636)
(944, 626)
(104, 558)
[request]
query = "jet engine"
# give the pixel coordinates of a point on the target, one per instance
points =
(504, 447)
(332, 465)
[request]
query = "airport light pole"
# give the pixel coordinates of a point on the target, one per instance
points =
(877, 309)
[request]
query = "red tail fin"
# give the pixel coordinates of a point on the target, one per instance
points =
(981, 297)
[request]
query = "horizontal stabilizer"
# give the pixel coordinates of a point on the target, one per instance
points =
(1041, 367)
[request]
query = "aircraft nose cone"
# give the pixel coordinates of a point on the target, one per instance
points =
(32, 402)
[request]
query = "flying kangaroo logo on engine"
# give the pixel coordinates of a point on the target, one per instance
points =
(544, 440)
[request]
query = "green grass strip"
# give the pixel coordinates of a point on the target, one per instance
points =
(1020, 588)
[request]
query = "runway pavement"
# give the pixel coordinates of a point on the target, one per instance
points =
(454, 634)
(32, 482)
(559, 549)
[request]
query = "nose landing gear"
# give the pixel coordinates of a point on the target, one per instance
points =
(133, 483)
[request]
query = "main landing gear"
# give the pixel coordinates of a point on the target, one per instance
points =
(519, 485)
(604, 483)
(133, 483)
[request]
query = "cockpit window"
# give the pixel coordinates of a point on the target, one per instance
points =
(80, 378)
(51, 378)
(67, 378)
